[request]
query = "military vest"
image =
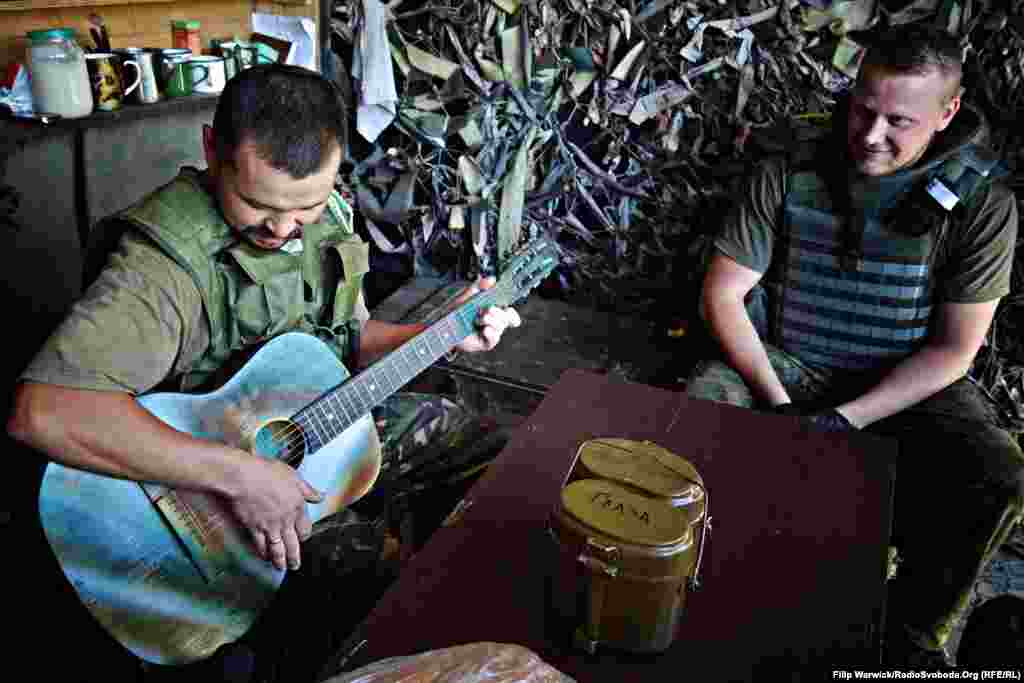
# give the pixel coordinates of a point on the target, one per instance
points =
(851, 281)
(251, 294)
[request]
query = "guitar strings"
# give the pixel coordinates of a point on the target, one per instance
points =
(294, 435)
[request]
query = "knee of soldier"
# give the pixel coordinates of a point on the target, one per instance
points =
(714, 380)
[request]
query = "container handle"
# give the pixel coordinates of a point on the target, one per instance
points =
(138, 76)
(206, 73)
(694, 581)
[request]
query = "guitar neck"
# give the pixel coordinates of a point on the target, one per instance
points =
(331, 414)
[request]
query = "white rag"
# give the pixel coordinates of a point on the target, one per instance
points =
(372, 67)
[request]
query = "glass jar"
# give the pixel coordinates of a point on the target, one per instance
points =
(60, 79)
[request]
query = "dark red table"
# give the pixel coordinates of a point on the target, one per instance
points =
(793, 576)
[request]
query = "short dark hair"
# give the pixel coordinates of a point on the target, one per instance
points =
(918, 49)
(293, 116)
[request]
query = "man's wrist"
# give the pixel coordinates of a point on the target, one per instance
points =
(851, 416)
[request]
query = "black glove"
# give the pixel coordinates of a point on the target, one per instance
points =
(831, 420)
(795, 409)
(828, 419)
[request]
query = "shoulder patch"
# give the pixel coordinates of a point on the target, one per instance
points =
(979, 159)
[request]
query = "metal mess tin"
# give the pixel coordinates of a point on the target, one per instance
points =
(627, 536)
(646, 467)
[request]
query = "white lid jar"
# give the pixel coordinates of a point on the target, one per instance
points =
(60, 79)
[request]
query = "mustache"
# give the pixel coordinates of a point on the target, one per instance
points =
(262, 232)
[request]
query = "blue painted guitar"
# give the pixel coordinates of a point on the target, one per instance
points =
(170, 573)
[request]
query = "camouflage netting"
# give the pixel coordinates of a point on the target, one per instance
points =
(621, 128)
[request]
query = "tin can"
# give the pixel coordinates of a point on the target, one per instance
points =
(185, 35)
(626, 547)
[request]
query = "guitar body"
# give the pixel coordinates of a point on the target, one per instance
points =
(170, 574)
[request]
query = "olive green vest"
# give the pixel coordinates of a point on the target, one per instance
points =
(852, 287)
(251, 294)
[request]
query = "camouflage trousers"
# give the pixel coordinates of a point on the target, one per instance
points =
(426, 441)
(959, 490)
(407, 423)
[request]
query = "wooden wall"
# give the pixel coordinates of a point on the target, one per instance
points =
(136, 23)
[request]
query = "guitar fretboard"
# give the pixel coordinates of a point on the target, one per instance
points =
(331, 414)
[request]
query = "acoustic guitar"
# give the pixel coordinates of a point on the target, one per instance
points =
(171, 574)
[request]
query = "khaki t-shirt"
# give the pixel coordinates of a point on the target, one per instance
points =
(140, 323)
(979, 251)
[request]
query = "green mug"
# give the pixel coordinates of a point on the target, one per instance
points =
(179, 78)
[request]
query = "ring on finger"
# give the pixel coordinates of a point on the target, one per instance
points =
(275, 541)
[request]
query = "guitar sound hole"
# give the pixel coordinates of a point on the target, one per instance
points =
(282, 440)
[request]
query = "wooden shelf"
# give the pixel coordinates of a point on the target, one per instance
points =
(128, 112)
(28, 5)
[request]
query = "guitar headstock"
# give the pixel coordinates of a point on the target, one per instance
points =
(527, 269)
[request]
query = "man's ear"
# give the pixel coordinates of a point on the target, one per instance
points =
(950, 109)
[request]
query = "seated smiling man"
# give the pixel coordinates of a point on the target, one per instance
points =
(198, 281)
(852, 291)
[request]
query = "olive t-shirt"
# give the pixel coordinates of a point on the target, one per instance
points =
(978, 254)
(139, 323)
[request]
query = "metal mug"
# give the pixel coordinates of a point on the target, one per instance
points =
(105, 77)
(214, 74)
(179, 77)
(149, 88)
(162, 61)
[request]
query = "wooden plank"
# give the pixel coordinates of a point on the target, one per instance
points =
(29, 5)
(291, 6)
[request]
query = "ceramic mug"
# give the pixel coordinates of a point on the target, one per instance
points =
(228, 52)
(178, 75)
(149, 88)
(214, 75)
(108, 91)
